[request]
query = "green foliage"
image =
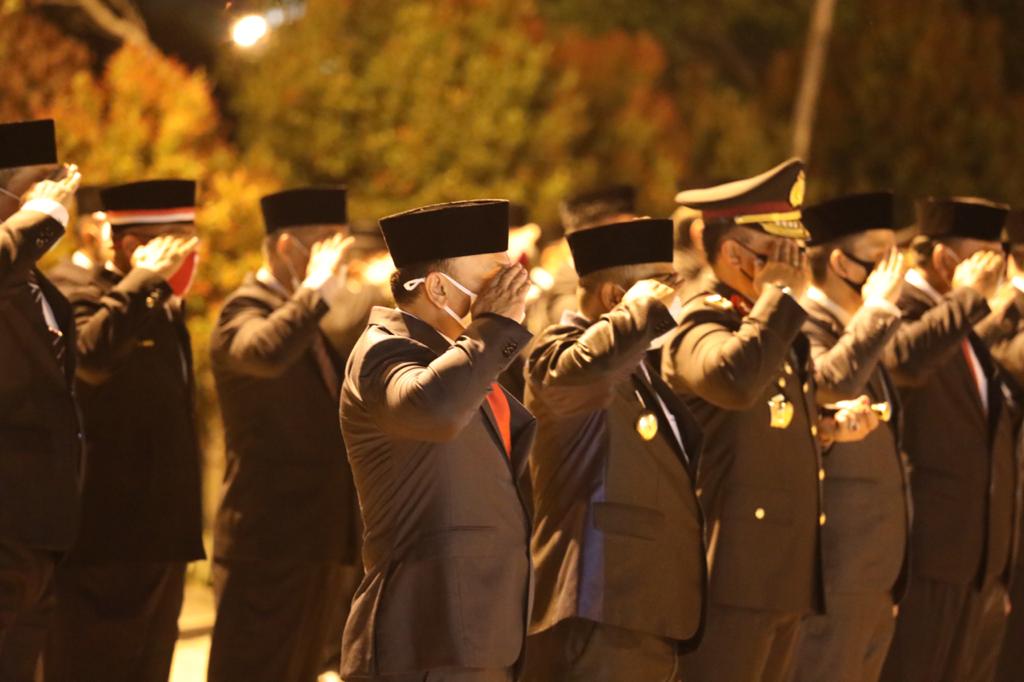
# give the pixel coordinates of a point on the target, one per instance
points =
(429, 100)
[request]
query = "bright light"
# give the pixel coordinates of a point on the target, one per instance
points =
(249, 30)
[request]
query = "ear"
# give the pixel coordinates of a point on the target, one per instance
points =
(610, 295)
(282, 244)
(435, 289)
(942, 259)
(838, 262)
(730, 252)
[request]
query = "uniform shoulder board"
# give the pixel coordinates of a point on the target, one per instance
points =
(718, 301)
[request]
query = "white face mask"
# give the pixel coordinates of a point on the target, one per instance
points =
(465, 319)
(676, 310)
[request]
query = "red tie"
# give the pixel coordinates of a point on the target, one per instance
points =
(968, 355)
(502, 414)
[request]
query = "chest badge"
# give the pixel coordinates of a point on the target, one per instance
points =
(781, 411)
(647, 425)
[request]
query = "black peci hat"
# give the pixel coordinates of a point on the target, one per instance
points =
(850, 214)
(451, 230)
(770, 201)
(968, 217)
(88, 200)
(28, 143)
(596, 207)
(149, 202)
(633, 242)
(304, 206)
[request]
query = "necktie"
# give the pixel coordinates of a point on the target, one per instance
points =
(56, 336)
(502, 414)
(326, 365)
(969, 357)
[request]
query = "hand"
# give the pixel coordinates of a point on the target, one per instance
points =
(656, 289)
(164, 254)
(325, 260)
(981, 272)
(61, 190)
(786, 267)
(886, 281)
(854, 420)
(505, 294)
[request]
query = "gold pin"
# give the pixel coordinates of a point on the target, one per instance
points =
(647, 425)
(781, 411)
(759, 513)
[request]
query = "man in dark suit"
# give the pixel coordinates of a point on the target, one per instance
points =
(857, 276)
(618, 544)
(120, 591)
(744, 370)
(40, 433)
(91, 233)
(960, 437)
(286, 535)
(436, 448)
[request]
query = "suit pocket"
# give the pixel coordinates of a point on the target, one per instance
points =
(628, 519)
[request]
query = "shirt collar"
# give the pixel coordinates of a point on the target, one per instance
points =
(916, 279)
(821, 298)
(266, 277)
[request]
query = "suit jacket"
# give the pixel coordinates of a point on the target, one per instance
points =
(618, 532)
(964, 467)
(865, 544)
(288, 489)
(759, 485)
(40, 432)
(67, 275)
(1003, 333)
(446, 540)
(141, 499)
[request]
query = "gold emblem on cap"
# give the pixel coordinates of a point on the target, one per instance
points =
(796, 193)
(647, 425)
(781, 411)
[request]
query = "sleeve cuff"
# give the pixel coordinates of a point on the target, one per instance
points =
(49, 207)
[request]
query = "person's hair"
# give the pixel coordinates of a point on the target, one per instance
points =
(921, 249)
(713, 236)
(623, 275)
(413, 271)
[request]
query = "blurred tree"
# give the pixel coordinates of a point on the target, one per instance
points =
(422, 101)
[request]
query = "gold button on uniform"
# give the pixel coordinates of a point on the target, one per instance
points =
(814, 430)
(782, 382)
(759, 513)
(821, 520)
(821, 474)
(789, 368)
(807, 387)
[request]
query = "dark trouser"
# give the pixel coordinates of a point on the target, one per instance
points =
(579, 650)
(447, 675)
(744, 645)
(989, 612)
(278, 620)
(937, 633)
(26, 608)
(849, 643)
(116, 621)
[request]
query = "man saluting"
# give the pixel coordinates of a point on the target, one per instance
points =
(436, 447)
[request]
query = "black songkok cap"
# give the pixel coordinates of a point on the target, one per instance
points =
(968, 217)
(304, 206)
(149, 202)
(1013, 232)
(633, 242)
(28, 143)
(88, 200)
(597, 207)
(770, 201)
(441, 231)
(842, 216)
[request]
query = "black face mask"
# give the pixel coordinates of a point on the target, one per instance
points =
(866, 264)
